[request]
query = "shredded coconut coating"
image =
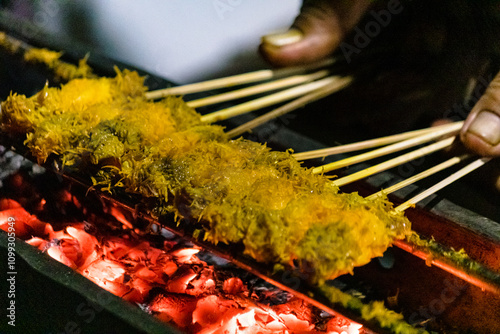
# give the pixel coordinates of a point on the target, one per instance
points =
(236, 191)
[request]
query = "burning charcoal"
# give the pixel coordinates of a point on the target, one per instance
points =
(25, 225)
(71, 249)
(6, 204)
(59, 254)
(106, 272)
(203, 283)
(87, 242)
(294, 324)
(133, 296)
(171, 280)
(37, 242)
(250, 320)
(233, 286)
(340, 325)
(179, 282)
(139, 290)
(297, 307)
(120, 215)
(169, 268)
(115, 248)
(186, 255)
(213, 311)
(138, 252)
(146, 274)
(174, 308)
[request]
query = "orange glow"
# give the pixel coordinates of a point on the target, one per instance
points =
(188, 292)
(120, 217)
(484, 286)
(25, 225)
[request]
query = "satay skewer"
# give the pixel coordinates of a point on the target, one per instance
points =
(366, 144)
(395, 162)
(440, 185)
(290, 106)
(431, 171)
(258, 89)
(446, 130)
(235, 80)
(269, 100)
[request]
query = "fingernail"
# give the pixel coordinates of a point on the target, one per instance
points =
(285, 38)
(486, 125)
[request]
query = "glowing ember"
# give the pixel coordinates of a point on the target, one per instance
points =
(189, 293)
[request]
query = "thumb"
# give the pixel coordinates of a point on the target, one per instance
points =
(481, 131)
(316, 32)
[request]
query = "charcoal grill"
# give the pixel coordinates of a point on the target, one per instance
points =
(426, 295)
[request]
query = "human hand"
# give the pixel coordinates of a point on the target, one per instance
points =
(321, 27)
(481, 131)
(316, 33)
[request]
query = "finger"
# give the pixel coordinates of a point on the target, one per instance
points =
(316, 32)
(489, 178)
(481, 131)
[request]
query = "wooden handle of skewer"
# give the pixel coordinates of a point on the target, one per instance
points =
(211, 84)
(235, 80)
(394, 162)
(295, 104)
(266, 101)
(257, 89)
(440, 185)
(431, 171)
(445, 130)
(321, 153)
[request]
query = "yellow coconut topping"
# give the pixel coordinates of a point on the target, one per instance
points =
(235, 191)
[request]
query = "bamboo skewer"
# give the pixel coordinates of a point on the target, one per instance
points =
(394, 162)
(269, 100)
(295, 104)
(456, 269)
(211, 84)
(440, 185)
(431, 171)
(234, 80)
(321, 153)
(448, 129)
(258, 89)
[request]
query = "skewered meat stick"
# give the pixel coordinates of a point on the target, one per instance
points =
(96, 156)
(286, 77)
(234, 191)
